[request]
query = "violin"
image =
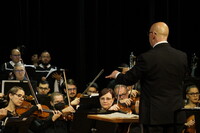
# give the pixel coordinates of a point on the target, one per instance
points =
(67, 116)
(124, 108)
(192, 128)
(27, 105)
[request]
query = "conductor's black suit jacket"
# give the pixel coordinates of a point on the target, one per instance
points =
(161, 72)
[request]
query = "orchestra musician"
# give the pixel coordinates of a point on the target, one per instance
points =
(72, 91)
(18, 73)
(93, 90)
(128, 104)
(7, 67)
(192, 95)
(125, 99)
(107, 98)
(57, 122)
(43, 94)
(42, 70)
(15, 102)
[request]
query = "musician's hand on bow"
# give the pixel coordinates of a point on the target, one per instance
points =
(133, 93)
(68, 109)
(114, 107)
(56, 115)
(39, 107)
(76, 101)
(126, 101)
(113, 74)
(190, 123)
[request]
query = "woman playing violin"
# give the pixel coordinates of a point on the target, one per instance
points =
(15, 100)
(57, 122)
(192, 95)
(107, 98)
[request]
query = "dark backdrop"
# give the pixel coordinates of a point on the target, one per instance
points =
(85, 36)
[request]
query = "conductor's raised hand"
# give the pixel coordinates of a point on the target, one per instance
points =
(113, 75)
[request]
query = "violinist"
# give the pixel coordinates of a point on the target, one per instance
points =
(43, 97)
(56, 123)
(73, 95)
(122, 95)
(93, 90)
(15, 100)
(127, 104)
(19, 73)
(43, 94)
(192, 95)
(107, 98)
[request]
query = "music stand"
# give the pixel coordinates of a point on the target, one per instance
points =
(8, 84)
(30, 69)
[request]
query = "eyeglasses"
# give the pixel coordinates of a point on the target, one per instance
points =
(193, 94)
(107, 99)
(70, 89)
(123, 94)
(19, 71)
(19, 95)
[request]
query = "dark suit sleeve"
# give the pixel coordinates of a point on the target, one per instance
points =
(134, 74)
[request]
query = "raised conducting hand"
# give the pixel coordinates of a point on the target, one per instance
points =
(113, 74)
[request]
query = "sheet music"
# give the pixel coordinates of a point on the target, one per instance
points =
(120, 115)
(50, 71)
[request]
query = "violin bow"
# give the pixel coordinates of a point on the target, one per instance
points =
(93, 81)
(118, 95)
(30, 86)
(67, 92)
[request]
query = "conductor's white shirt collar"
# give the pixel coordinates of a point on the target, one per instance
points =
(159, 43)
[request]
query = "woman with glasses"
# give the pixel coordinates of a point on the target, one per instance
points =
(13, 120)
(107, 98)
(192, 95)
(19, 72)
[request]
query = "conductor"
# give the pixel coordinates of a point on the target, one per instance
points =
(161, 72)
